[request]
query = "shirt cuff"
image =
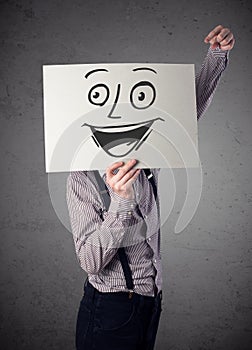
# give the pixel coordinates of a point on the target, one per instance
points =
(121, 206)
(218, 53)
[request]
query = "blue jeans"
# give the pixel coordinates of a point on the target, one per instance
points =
(113, 321)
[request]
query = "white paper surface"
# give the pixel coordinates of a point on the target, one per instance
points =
(96, 114)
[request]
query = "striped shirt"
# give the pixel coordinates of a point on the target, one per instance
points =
(134, 223)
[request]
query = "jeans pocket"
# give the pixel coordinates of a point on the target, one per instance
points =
(112, 315)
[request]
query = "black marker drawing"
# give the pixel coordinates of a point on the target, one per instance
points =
(130, 135)
(95, 113)
(120, 140)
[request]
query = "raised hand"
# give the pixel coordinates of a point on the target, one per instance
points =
(220, 37)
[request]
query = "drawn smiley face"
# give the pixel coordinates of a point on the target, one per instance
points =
(120, 139)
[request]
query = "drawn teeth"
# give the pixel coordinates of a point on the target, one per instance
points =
(120, 129)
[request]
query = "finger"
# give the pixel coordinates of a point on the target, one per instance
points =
(113, 167)
(133, 178)
(124, 169)
(214, 44)
(125, 180)
(213, 33)
(223, 34)
(226, 40)
(221, 39)
(229, 46)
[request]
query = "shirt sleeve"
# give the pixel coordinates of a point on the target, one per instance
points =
(208, 77)
(97, 237)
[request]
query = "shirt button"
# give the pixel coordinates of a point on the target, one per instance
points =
(149, 239)
(145, 216)
(129, 212)
(132, 205)
(154, 260)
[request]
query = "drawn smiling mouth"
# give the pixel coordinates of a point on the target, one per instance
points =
(120, 140)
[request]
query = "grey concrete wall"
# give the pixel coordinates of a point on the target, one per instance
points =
(207, 267)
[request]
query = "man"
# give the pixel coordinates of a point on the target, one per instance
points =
(121, 305)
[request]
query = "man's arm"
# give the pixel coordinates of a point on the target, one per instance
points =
(207, 79)
(221, 41)
(96, 240)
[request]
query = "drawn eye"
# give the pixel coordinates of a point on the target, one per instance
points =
(98, 94)
(142, 95)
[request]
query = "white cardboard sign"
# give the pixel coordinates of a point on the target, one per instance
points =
(96, 114)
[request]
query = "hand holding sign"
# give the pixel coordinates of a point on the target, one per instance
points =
(121, 182)
(220, 37)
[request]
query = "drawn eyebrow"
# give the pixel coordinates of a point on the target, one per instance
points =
(144, 68)
(95, 70)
